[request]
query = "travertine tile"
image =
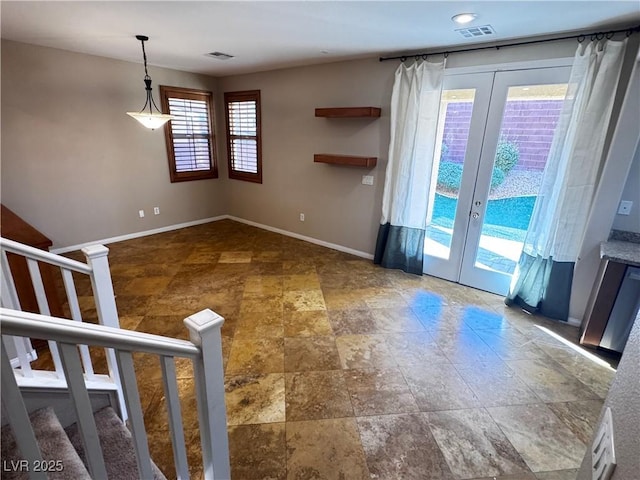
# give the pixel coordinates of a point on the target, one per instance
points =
(545, 443)
(458, 355)
(301, 282)
(315, 395)
(307, 324)
(387, 320)
(303, 300)
(401, 446)
(310, 353)
(581, 417)
(259, 324)
(258, 452)
(256, 355)
(352, 321)
(364, 351)
(235, 257)
(415, 348)
(328, 449)
(440, 388)
(375, 392)
(550, 381)
(558, 475)
(473, 445)
(496, 386)
(255, 399)
(262, 285)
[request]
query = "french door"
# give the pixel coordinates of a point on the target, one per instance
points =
(495, 130)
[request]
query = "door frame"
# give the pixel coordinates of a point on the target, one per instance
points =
(491, 87)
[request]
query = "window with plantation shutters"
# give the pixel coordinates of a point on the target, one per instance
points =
(189, 135)
(244, 151)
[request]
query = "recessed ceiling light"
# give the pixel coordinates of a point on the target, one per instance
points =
(463, 18)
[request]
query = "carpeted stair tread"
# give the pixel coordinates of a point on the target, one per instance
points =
(117, 446)
(54, 446)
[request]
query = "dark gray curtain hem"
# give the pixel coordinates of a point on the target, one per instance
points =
(400, 248)
(555, 282)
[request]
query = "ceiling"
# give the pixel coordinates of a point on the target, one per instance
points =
(265, 35)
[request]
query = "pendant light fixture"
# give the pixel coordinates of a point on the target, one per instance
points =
(149, 118)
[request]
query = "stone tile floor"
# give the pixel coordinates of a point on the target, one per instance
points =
(338, 369)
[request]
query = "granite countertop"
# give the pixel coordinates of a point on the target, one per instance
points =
(621, 251)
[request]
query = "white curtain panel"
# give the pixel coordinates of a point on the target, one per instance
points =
(559, 219)
(415, 104)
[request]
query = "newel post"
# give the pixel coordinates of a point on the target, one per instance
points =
(204, 332)
(105, 300)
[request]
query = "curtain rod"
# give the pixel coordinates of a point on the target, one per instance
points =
(581, 38)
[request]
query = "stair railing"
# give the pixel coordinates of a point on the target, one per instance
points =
(97, 268)
(204, 350)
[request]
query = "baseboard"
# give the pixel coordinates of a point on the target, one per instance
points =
(315, 241)
(144, 233)
(574, 322)
(168, 228)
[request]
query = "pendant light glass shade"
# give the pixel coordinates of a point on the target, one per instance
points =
(149, 118)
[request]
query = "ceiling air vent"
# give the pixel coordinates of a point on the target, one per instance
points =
(474, 32)
(219, 55)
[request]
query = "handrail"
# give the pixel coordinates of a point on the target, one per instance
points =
(26, 324)
(44, 256)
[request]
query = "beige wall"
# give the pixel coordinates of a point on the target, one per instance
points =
(631, 222)
(73, 164)
(338, 208)
(624, 401)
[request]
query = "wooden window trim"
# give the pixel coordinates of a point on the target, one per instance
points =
(167, 92)
(243, 96)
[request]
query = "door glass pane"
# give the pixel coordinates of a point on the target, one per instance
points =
(453, 132)
(528, 124)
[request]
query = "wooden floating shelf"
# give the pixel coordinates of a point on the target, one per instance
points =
(348, 112)
(351, 160)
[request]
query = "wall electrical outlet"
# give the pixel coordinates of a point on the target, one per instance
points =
(625, 207)
(156, 210)
(367, 179)
(302, 217)
(141, 213)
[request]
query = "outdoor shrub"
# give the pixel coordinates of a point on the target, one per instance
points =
(507, 155)
(497, 177)
(449, 175)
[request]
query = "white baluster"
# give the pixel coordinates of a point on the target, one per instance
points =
(204, 331)
(18, 417)
(84, 412)
(136, 421)
(74, 308)
(175, 416)
(9, 293)
(104, 297)
(9, 296)
(43, 306)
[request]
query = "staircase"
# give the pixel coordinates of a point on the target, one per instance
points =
(62, 451)
(76, 414)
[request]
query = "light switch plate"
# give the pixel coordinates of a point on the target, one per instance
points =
(367, 179)
(625, 207)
